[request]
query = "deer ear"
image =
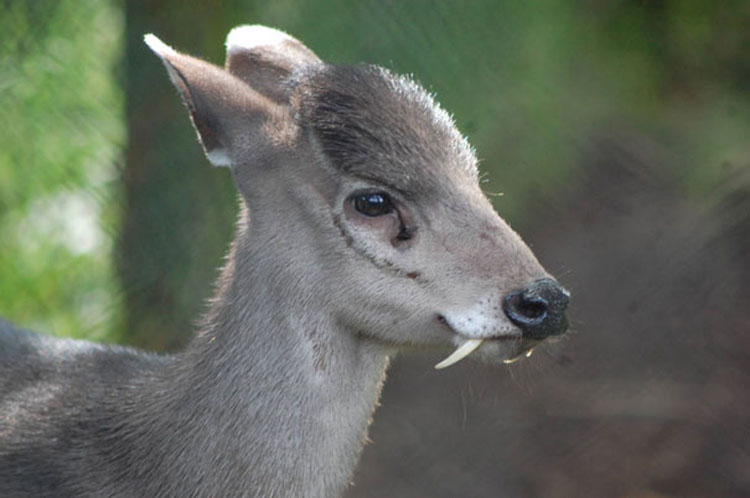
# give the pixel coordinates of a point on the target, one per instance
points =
(264, 58)
(222, 107)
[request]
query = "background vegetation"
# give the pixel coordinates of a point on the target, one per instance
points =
(617, 131)
(61, 140)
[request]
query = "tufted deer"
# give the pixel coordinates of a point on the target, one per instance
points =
(362, 232)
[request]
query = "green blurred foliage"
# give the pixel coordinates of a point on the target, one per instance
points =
(61, 135)
(530, 83)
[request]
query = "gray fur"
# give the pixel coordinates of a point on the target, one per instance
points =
(380, 126)
(274, 394)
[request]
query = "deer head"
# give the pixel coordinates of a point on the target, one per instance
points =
(363, 195)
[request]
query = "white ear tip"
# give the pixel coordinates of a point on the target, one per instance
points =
(249, 37)
(219, 157)
(159, 47)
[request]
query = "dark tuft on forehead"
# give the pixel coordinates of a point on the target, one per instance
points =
(383, 127)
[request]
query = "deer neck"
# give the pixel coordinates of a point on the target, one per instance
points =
(289, 392)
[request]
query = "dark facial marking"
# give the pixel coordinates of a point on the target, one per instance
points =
(383, 264)
(382, 127)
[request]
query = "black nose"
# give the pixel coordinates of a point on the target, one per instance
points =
(539, 309)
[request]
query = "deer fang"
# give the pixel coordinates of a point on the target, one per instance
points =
(516, 358)
(460, 353)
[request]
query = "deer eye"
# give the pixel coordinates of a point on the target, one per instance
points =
(373, 203)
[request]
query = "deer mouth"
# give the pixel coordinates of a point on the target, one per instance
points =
(521, 348)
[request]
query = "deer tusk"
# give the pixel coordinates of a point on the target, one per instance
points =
(460, 353)
(516, 358)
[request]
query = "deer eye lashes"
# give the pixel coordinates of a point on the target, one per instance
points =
(372, 204)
